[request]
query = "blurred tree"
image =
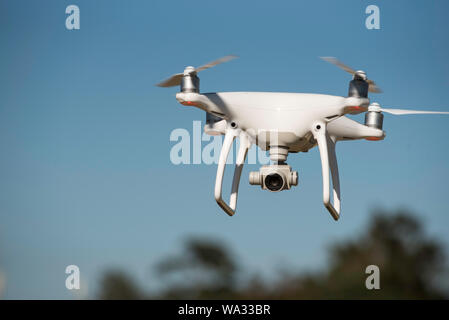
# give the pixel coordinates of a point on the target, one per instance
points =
(205, 269)
(116, 285)
(412, 266)
(410, 263)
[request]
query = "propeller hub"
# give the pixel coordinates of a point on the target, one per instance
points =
(188, 70)
(374, 107)
(360, 75)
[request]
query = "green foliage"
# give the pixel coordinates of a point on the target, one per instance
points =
(116, 285)
(411, 265)
(206, 270)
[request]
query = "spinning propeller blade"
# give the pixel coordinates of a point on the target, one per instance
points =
(175, 79)
(339, 64)
(372, 85)
(215, 62)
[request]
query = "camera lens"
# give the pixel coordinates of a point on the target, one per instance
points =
(274, 182)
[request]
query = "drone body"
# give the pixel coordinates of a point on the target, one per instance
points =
(284, 123)
(286, 117)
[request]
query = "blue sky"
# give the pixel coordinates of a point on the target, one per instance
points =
(85, 173)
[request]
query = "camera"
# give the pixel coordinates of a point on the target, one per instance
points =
(275, 177)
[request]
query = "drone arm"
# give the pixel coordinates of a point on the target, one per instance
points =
(328, 163)
(230, 135)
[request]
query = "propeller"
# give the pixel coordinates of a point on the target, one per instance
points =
(372, 85)
(175, 79)
(399, 112)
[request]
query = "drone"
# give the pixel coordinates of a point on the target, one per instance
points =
(283, 123)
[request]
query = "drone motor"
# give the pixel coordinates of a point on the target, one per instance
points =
(374, 117)
(190, 81)
(358, 87)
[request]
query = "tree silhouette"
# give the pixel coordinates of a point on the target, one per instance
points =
(206, 269)
(116, 285)
(412, 266)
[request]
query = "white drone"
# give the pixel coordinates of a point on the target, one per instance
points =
(284, 123)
